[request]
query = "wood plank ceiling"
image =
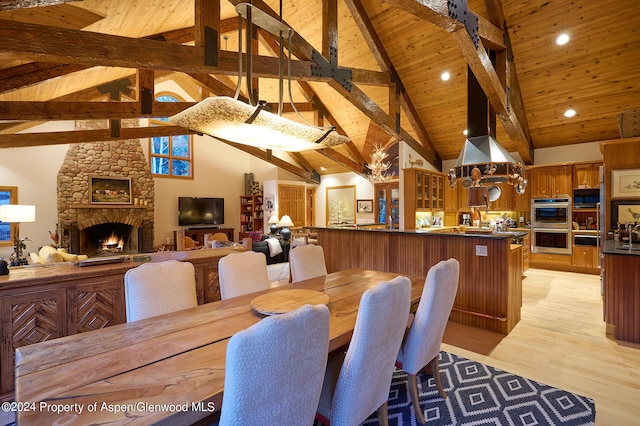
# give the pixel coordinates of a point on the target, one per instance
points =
(58, 60)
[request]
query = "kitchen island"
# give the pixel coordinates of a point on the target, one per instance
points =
(622, 290)
(490, 286)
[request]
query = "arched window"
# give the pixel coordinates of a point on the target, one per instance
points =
(170, 156)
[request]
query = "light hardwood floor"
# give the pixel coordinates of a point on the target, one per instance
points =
(561, 341)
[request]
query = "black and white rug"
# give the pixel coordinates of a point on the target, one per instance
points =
(478, 394)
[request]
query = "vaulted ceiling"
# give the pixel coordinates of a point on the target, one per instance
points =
(98, 59)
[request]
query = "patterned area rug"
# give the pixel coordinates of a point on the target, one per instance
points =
(478, 394)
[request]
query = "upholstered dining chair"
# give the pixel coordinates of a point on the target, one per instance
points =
(357, 383)
(421, 347)
(275, 368)
(159, 288)
(242, 273)
(307, 262)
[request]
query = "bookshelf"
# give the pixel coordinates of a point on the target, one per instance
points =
(251, 214)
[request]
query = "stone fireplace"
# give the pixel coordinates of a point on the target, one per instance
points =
(87, 228)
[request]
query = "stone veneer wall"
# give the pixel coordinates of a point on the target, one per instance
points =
(123, 158)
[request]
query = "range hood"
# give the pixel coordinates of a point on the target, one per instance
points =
(481, 150)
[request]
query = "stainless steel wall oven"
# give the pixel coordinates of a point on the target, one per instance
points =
(551, 240)
(551, 213)
(551, 225)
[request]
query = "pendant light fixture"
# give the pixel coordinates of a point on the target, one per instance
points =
(231, 120)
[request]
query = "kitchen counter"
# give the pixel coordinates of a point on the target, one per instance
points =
(622, 290)
(454, 231)
(490, 286)
(620, 248)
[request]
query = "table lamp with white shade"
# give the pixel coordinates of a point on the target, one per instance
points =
(18, 213)
(285, 223)
(273, 220)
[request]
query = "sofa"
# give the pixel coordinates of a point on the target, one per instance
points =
(263, 247)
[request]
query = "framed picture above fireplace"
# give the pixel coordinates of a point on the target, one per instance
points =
(110, 190)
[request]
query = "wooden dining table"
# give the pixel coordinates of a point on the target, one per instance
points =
(167, 369)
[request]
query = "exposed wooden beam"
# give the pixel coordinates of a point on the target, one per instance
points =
(362, 20)
(26, 75)
(302, 161)
(361, 101)
(312, 96)
(33, 110)
(80, 136)
(303, 49)
(263, 155)
(480, 64)
(344, 161)
(436, 12)
(207, 15)
(50, 44)
(22, 4)
(329, 27)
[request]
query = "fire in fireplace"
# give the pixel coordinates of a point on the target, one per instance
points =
(109, 239)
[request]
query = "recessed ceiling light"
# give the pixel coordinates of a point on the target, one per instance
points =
(465, 132)
(562, 39)
(323, 168)
(570, 113)
(445, 76)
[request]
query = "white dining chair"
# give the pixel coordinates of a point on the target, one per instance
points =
(275, 368)
(159, 288)
(357, 383)
(307, 262)
(242, 273)
(421, 347)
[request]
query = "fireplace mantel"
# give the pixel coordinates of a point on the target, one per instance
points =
(106, 206)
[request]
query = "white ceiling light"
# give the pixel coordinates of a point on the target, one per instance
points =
(445, 76)
(570, 113)
(465, 132)
(250, 124)
(563, 39)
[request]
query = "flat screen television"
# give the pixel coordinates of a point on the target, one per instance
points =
(200, 211)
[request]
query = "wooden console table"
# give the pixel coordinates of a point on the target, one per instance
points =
(40, 303)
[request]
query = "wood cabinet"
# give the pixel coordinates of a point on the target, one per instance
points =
(40, 303)
(450, 197)
(540, 260)
(522, 202)
(387, 203)
(526, 252)
(621, 301)
(505, 202)
(424, 191)
(551, 181)
(251, 214)
(585, 257)
(586, 175)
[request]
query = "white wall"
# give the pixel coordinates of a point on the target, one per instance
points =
(364, 190)
(33, 171)
(579, 152)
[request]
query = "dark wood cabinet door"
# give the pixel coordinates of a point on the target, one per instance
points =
(28, 318)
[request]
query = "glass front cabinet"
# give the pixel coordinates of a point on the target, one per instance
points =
(387, 203)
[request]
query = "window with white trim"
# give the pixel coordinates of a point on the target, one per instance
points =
(170, 156)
